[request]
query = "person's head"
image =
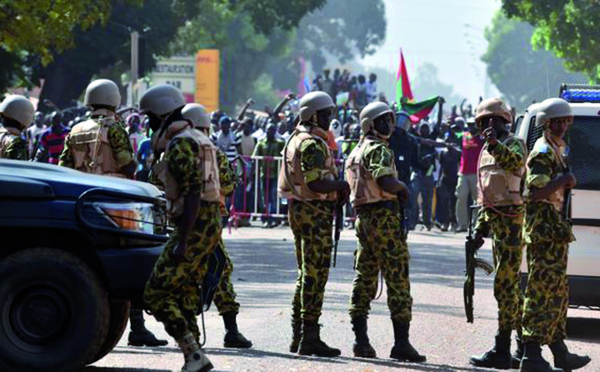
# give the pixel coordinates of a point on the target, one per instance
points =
(362, 79)
(555, 116)
(16, 111)
(355, 131)
(471, 127)
(336, 127)
(336, 73)
(377, 118)
(317, 108)
(55, 119)
(198, 116)
(459, 124)
(372, 78)
(133, 122)
(424, 130)
(161, 103)
(326, 73)
(102, 94)
(271, 130)
(38, 119)
(225, 124)
(248, 126)
(402, 121)
(492, 112)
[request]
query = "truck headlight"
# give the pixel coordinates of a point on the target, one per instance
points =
(138, 217)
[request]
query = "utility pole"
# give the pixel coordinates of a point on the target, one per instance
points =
(135, 36)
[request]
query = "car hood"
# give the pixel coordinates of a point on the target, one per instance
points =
(24, 176)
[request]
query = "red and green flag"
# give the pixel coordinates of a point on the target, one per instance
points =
(405, 99)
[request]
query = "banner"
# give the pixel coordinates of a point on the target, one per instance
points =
(207, 78)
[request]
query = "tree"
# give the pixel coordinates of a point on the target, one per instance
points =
(567, 28)
(522, 74)
(42, 26)
(427, 84)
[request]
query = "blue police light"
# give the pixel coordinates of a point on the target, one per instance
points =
(581, 95)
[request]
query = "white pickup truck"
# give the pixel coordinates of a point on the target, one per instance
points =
(584, 142)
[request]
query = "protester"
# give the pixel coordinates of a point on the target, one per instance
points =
(466, 188)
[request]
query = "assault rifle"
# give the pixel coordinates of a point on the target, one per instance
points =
(567, 199)
(339, 219)
(471, 247)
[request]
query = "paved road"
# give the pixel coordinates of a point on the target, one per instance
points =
(264, 278)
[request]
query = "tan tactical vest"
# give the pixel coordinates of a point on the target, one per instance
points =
(556, 198)
(7, 135)
(207, 160)
(364, 189)
(88, 142)
(498, 187)
(291, 179)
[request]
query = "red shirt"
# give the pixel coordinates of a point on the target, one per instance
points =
(471, 148)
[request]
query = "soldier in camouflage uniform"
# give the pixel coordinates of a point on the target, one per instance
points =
(307, 179)
(547, 235)
(17, 114)
(189, 172)
(375, 191)
(501, 170)
(100, 145)
(225, 294)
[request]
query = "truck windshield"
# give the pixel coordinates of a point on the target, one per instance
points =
(584, 141)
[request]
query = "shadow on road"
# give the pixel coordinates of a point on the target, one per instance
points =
(584, 329)
(118, 369)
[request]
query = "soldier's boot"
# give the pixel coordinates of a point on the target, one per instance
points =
(518, 354)
(233, 337)
(566, 360)
(311, 344)
(362, 347)
(139, 334)
(533, 361)
(296, 335)
(402, 349)
(498, 356)
(195, 359)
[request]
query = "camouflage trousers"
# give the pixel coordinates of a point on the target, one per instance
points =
(547, 293)
(225, 295)
(311, 223)
(507, 246)
(381, 248)
(172, 291)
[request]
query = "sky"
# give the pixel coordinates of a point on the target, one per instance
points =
(447, 33)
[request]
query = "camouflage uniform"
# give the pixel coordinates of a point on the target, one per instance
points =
(12, 146)
(311, 223)
(547, 236)
(381, 246)
(172, 290)
(506, 229)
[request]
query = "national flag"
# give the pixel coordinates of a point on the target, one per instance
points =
(403, 84)
(405, 99)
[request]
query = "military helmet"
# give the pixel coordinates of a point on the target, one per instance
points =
(371, 112)
(313, 102)
(492, 107)
(102, 92)
(552, 108)
(197, 114)
(161, 99)
(18, 108)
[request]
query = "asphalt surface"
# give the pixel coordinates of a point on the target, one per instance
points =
(264, 277)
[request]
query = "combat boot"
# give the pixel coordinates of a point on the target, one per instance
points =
(402, 349)
(311, 344)
(362, 347)
(296, 335)
(518, 354)
(139, 334)
(195, 360)
(233, 337)
(498, 356)
(533, 361)
(566, 360)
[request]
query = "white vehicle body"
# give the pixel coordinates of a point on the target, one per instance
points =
(584, 253)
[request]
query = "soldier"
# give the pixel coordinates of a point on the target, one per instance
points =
(225, 295)
(188, 170)
(17, 114)
(100, 145)
(501, 169)
(375, 190)
(307, 179)
(547, 235)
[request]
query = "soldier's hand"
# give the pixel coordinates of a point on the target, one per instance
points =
(478, 239)
(570, 180)
(180, 250)
(490, 134)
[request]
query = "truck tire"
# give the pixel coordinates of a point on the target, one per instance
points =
(54, 311)
(119, 317)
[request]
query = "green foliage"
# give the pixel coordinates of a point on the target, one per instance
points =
(569, 28)
(42, 26)
(520, 73)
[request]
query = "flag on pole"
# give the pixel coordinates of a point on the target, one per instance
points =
(405, 99)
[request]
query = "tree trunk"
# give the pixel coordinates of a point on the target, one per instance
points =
(62, 85)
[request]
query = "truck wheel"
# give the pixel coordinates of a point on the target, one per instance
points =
(54, 311)
(119, 317)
